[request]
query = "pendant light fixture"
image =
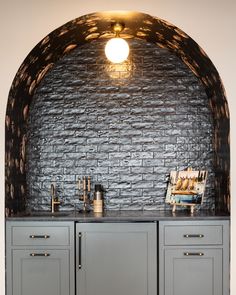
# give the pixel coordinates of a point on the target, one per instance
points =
(117, 49)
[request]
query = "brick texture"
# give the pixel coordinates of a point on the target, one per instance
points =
(124, 125)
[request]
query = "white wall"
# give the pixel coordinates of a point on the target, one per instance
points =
(210, 23)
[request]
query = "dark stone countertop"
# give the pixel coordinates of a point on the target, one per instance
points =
(120, 216)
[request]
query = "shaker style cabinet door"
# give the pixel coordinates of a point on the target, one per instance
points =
(40, 272)
(193, 271)
(116, 259)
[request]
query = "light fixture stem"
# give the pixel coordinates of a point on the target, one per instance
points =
(117, 28)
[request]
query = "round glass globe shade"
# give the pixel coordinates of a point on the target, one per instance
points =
(117, 50)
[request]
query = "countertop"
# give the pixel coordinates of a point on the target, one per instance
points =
(120, 216)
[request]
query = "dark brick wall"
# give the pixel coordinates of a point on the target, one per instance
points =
(126, 126)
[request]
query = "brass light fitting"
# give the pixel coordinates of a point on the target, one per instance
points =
(117, 28)
(117, 49)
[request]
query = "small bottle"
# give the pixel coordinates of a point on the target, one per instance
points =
(98, 199)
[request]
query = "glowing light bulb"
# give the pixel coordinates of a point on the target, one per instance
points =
(117, 50)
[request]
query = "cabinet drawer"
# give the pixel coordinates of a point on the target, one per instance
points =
(39, 235)
(193, 235)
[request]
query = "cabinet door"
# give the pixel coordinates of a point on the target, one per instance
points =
(40, 272)
(117, 259)
(193, 271)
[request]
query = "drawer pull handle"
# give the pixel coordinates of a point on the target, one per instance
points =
(193, 254)
(39, 254)
(193, 236)
(39, 236)
(80, 244)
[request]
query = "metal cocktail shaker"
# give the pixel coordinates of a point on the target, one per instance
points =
(98, 199)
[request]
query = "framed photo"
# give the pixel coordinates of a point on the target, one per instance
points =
(186, 188)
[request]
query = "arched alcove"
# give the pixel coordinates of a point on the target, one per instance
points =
(93, 27)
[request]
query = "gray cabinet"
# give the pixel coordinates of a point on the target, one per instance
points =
(52, 258)
(116, 258)
(194, 258)
(40, 258)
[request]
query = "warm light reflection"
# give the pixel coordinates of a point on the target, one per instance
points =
(120, 71)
